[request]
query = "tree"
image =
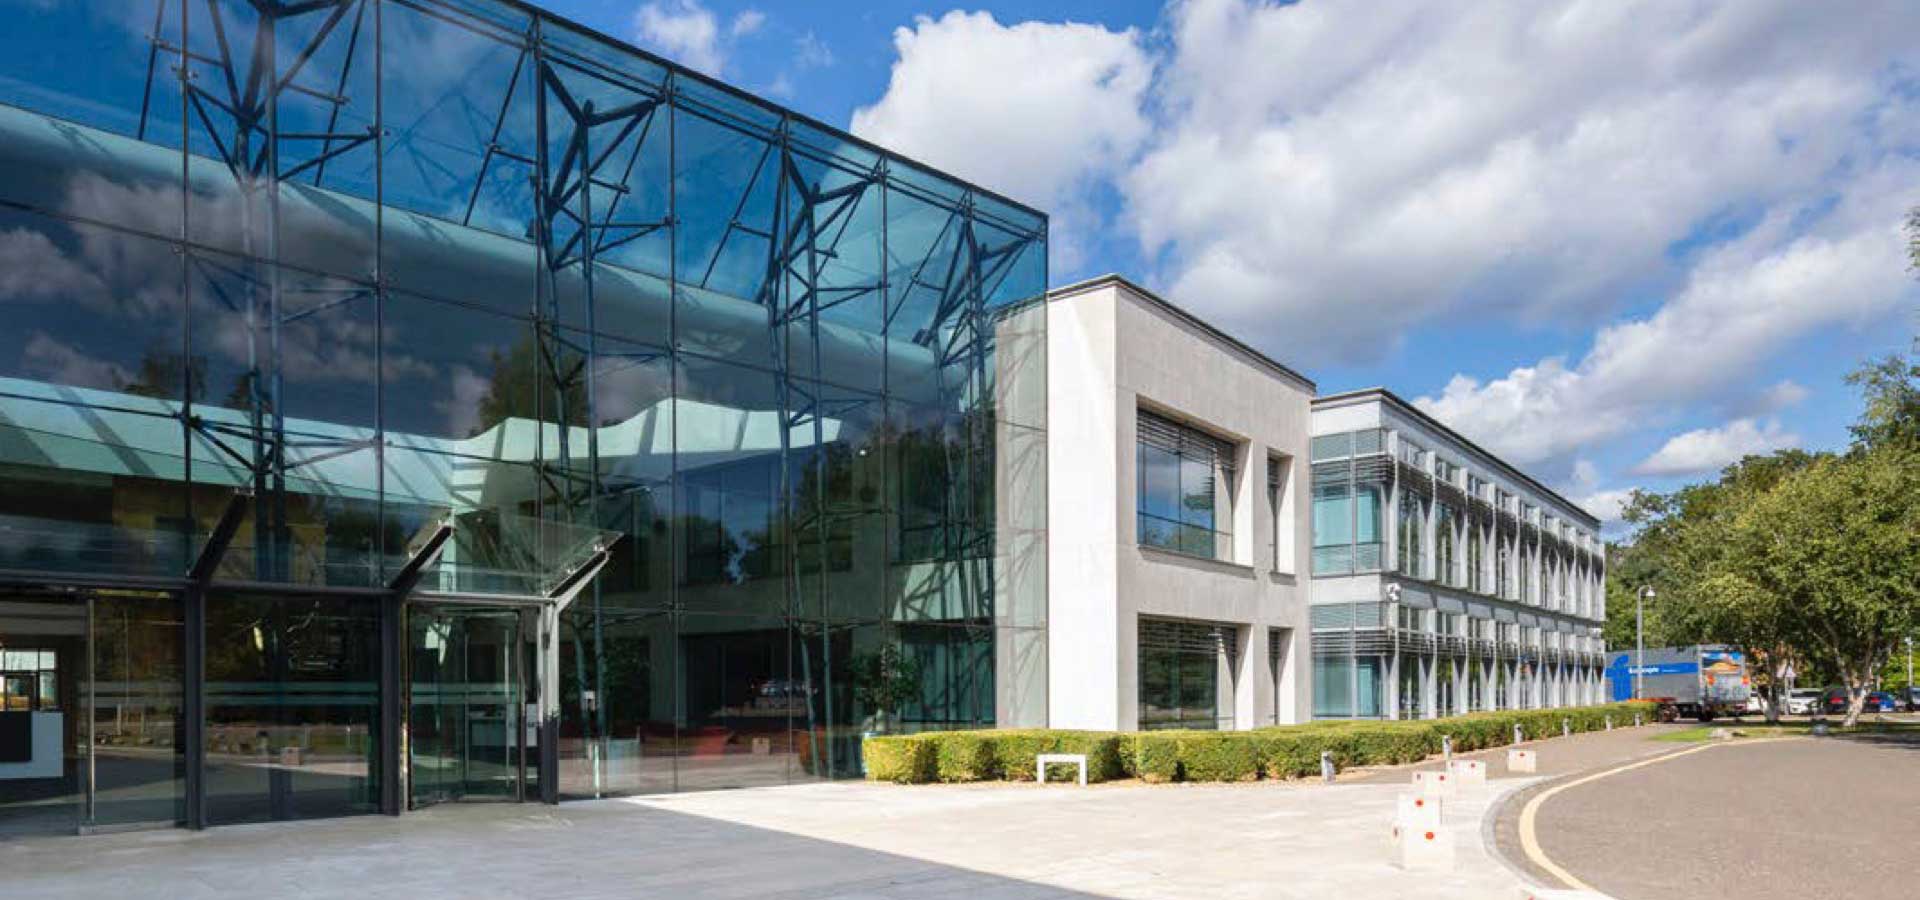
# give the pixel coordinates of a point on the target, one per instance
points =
(1891, 388)
(1836, 545)
(1682, 550)
(1913, 239)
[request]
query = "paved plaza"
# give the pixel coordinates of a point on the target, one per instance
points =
(825, 840)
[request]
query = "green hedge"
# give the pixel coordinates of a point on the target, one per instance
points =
(1290, 751)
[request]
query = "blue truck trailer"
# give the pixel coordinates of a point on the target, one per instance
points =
(1701, 681)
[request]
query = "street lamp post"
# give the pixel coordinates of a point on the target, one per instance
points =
(1640, 639)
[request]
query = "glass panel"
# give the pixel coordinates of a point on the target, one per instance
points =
(741, 696)
(1332, 686)
(466, 695)
(293, 707)
(42, 740)
(91, 382)
(139, 761)
(619, 737)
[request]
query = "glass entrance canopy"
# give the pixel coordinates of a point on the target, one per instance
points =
(295, 290)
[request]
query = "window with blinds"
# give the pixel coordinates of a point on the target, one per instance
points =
(1181, 683)
(1185, 488)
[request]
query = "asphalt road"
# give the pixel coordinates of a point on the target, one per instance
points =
(1789, 819)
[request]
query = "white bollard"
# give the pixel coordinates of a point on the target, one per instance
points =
(1609, 723)
(1566, 728)
(1636, 720)
(1426, 849)
(1326, 766)
(1522, 761)
(1433, 784)
(1417, 812)
(1468, 773)
(1519, 735)
(1446, 747)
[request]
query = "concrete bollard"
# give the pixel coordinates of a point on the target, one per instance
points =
(1609, 723)
(1636, 720)
(1326, 766)
(1566, 728)
(1426, 849)
(1467, 773)
(1522, 761)
(1415, 811)
(1434, 784)
(1519, 735)
(1446, 748)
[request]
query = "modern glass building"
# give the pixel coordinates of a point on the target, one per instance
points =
(410, 401)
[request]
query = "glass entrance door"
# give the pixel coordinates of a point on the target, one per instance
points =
(468, 688)
(90, 702)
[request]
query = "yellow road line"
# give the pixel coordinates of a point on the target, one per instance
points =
(1530, 812)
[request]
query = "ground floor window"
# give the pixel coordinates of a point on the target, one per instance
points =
(1349, 687)
(90, 721)
(1411, 706)
(1186, 676)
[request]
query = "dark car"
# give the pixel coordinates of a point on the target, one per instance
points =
(1834, 702)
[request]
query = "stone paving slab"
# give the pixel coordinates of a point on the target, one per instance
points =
(825, 840)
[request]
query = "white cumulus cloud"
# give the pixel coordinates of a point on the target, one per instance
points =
(1331, 176)
(1706, 450)
(690, 34)
(1042, 112)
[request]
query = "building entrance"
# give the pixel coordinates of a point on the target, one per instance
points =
(90, 704)
(470, 694)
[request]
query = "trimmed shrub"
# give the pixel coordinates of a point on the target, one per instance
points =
(1014, 751)
(901, 759)
(1218, 756)
(1287, 751)
(1156, 756)
(965, 756)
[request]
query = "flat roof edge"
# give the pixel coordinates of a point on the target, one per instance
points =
(1114, 279)
(1401, 404)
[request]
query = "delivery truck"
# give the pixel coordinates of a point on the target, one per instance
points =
(1699, 682)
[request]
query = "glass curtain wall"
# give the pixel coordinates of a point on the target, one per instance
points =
(369, 267)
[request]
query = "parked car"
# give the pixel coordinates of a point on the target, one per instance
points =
(1756, 703)
(1834, 702)
(1801, 702)
(1913, 699)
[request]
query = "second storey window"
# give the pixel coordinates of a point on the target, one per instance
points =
(1185, 485)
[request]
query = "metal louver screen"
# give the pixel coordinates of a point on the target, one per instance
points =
(1162, 432)
(1189, 637)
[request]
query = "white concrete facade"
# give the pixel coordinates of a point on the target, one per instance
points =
(1115, 350)
(1444, 579)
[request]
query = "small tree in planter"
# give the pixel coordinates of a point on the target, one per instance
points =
(883, 681)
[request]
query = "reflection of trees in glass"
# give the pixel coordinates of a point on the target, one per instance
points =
(515, 383)
(163, 374)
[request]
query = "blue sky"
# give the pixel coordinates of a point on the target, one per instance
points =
(1620, 242)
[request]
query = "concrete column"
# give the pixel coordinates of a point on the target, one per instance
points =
(1429, 705)
(1250, 683)
(1392, 688)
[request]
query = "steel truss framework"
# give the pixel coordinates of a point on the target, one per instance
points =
(577, 153)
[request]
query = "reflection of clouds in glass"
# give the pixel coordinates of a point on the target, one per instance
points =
(625, 388)
(50, 360)
(32, 268)
(466, 389)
